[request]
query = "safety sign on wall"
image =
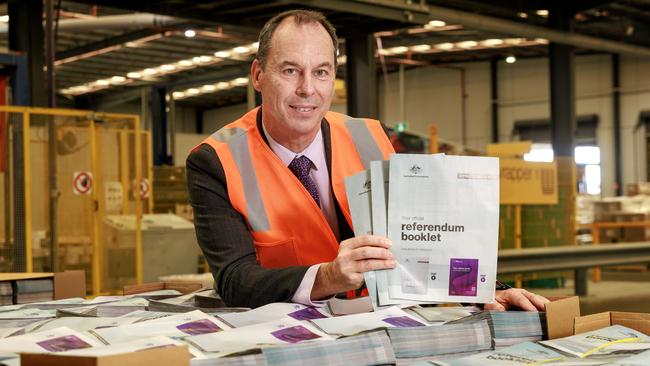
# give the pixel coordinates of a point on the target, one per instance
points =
(82, 183)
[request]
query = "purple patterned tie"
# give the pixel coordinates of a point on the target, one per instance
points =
(300, 167)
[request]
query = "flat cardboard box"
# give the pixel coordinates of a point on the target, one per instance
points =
(164, 356)
(182, 287)
(636, 321)
(66, 284)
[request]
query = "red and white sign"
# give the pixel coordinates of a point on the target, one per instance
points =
(82, 183)
(144, 188)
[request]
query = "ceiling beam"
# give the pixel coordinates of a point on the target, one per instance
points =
(493, 24)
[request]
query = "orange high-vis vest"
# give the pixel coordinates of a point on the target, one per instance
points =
(287, 226)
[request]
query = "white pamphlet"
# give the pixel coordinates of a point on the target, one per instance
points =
(180, 325)
(352, 324)
(358, 191)
(443, 216)
(271, 312)
(277, 332)
(53, 340)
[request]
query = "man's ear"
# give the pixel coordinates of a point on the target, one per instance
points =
(256, 72)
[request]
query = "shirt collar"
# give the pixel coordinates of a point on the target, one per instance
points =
(314, 151)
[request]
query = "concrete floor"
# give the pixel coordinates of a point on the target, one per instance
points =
(618, 291)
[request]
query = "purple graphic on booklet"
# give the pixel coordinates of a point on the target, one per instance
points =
(65, 343)
(463, 276)
(403, 322)
(294, 334)
(307, 314)
(201, 326)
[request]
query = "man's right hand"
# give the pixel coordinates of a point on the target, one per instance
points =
(356, 256)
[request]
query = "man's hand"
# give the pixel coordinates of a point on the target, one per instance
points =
(356, 256)
(517, 297)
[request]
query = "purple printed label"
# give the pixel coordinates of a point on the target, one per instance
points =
(294, 334)
(403, 322)
(463, 276)
(202, 326)
(64, 343)
(307, 314)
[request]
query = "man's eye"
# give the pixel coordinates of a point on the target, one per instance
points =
(290, 71)
(322, 73)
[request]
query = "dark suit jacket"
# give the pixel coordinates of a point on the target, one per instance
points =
(225, 238)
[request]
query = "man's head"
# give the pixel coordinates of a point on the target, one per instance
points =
(295, 72)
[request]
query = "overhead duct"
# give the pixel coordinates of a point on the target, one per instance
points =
(122, 22)
(492, 24)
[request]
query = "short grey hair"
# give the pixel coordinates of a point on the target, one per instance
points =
(299, 17)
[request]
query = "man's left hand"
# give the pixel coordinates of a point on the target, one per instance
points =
(517, 297)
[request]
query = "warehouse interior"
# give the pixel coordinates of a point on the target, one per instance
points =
(102, 101)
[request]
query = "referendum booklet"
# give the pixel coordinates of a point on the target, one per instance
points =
(443, 214)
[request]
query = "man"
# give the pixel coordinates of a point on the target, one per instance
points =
(270, 210)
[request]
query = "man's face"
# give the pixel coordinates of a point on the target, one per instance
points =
(297, 82)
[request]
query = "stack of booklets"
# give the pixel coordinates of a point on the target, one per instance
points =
(293, 334)
(441, 214)
(6, 293)
(34, 290)
(510, 327)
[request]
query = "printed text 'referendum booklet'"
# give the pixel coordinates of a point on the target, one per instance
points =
(443, 214)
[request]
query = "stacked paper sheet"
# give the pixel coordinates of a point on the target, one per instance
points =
(510, 327)
(441, 214)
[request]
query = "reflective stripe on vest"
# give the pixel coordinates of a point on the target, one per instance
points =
(238, 144)
(363, 141)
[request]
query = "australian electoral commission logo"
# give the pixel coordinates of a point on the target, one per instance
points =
(415, 171)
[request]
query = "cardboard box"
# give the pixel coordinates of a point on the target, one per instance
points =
(165, 356)
(66, 284)
(182, 287)
(636, 321)
(560, 316)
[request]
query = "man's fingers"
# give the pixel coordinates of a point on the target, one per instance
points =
(495, 306)
(375, 264)
(367, 240)
(537, 300)
(516, 297)
(368, 252)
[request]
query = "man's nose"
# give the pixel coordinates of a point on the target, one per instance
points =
(306, 85)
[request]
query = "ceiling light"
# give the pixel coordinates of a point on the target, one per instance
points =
(514, 41)
(511, 59)
(492, 42)
(467, 44)
(167, 67)
(193, 91)
(436, 23)
(178, 95)
(342, 59)
(134, 75)
(204, 59)
(398, 49)
(222, 54)
(185, 63)
(241, 49)
(208, 88)
(190, 33)
(383, 51)
(4, 18)
(132, 44)
(222, 85)
(444, 46)
(102, 82)
(150, 71)
(118, 79)
(240, 81)
(255, 46)
(522, 15)
(542, 13)
(541, 40)
(420, 48)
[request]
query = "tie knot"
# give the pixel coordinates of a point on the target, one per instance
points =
(300, 166)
